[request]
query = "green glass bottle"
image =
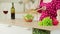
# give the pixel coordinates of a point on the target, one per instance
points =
(12, 11)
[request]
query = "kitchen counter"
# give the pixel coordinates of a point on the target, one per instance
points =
(22, 22)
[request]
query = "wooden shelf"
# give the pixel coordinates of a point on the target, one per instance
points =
(21, 22)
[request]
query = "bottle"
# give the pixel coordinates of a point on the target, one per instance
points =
(12, 11)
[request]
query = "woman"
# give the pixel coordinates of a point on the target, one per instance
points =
(49, 10)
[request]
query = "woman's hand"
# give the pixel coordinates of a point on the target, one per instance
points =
(43, 8)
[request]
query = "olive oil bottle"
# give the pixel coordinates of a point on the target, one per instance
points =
(12, 11)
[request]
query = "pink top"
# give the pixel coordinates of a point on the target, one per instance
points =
(51, 9)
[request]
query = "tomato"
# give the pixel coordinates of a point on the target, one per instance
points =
(28, 20)
(55, 22)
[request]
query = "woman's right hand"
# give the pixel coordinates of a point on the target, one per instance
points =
(42, 8)
(39, 10)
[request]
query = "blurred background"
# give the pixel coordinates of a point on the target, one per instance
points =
(20, 6)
